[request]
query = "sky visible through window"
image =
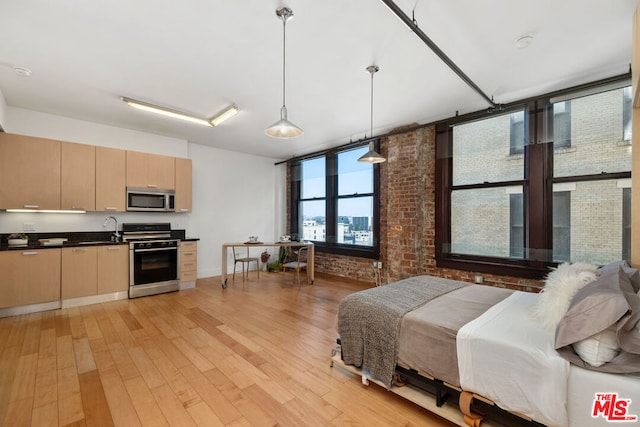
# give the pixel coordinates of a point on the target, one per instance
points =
(353, 178)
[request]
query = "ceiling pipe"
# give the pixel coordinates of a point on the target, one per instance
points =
(434, 47)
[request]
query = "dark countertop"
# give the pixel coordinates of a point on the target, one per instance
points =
(36, 245)
(75, 239)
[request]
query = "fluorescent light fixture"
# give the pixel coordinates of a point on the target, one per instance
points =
(215, 121)
(47, 210)
(225, 115)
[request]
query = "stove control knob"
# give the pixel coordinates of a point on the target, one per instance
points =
(163, 244)
(148, 245)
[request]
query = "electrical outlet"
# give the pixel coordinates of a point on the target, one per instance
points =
(28, 226)
(478, 278)
(378, 264)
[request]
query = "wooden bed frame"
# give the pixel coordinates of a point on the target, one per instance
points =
(439, 397)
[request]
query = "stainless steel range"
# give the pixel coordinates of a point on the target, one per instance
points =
(154, 258)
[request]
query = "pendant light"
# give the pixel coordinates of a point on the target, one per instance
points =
(283, 128)
(371, 156)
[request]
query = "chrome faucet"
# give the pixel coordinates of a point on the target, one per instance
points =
(116, 235)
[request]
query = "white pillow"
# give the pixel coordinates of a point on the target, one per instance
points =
(600, 348)
(560, 287)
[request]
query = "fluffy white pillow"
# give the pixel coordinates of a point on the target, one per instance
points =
(599, 348)
(561, 285)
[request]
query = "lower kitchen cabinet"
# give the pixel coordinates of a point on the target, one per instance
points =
(113, 269)
(29, 277)
(188, 262)
(79, 272)
(94, 270)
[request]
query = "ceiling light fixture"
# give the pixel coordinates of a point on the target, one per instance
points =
(372, 156)
(215, 121)
(283, 128)
(225, 115)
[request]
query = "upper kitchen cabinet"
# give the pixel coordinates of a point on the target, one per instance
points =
(78, 177)
(146, 170)
(111, 181)
(29, 172)
(183, 185)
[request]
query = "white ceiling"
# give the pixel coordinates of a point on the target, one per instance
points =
(200, 56)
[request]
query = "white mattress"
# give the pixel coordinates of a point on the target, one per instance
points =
(506, 357)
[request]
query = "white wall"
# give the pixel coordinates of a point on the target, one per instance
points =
(235, 195)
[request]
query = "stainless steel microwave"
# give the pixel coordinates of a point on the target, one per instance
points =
(150, 200)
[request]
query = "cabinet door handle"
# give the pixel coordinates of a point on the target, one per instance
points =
(31, 206)
(184, 209)
(188, 254)
(113, 248)
(109, 208)
(30, 253)
(152, 186)
(188, 263)
(80, 250)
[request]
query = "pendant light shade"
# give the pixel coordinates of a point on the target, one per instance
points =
(372, 156)
(283, 128)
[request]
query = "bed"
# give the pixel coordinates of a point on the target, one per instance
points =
(512, 352)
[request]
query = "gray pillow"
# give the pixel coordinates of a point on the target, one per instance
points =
(632, 273)
(610, 300)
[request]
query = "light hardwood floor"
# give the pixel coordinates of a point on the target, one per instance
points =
(250, 355)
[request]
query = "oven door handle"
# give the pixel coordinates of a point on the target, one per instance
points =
(155, 249)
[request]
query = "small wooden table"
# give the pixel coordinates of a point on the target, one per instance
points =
(225, 247)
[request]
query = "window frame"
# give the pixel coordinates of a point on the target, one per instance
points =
(331, 202)
(537, 184)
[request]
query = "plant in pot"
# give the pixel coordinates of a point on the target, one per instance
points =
(282, 258)
(17, 239)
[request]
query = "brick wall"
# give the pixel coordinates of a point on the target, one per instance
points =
(407, 219)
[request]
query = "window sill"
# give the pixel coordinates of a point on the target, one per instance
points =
(501, 267)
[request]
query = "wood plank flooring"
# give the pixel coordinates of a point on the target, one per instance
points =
(254, 354)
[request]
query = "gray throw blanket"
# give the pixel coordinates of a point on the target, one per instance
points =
(369, 321)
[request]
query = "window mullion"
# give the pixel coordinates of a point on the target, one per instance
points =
(539, 186)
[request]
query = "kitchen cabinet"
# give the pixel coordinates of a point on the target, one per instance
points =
(183, 185)
(113, 269)
(29, 277)
(78, 177)
(111, 179)
(145, 170)
(188, 262)
(29, 172)
(79, 272)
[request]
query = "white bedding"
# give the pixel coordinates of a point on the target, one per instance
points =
(505, 356)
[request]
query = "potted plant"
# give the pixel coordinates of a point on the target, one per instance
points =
(283, 254)
(264, 256)
(17, 239)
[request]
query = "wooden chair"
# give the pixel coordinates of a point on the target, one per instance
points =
(299, 263)
(237, 257)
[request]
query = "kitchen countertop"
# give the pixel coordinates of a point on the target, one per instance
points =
(76, 239)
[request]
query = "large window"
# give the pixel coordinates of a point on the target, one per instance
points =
(334, 202)
(536, 184)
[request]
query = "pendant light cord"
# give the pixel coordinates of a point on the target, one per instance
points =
(371, 135)
(284, 60)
